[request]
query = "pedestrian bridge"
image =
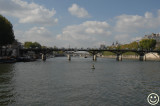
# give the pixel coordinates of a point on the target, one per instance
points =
(94, 52)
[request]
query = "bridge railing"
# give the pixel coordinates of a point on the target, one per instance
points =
(88, 49)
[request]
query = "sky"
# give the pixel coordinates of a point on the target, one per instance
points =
(81, 23)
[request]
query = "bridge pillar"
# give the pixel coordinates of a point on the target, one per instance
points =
(142, 57)
(119, 57)
(69, 57)
(43, 57)
(94, 57)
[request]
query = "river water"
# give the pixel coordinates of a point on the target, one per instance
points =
(58, 82)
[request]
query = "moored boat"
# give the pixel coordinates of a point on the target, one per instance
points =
(8, 60)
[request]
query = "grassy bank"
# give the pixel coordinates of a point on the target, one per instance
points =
(106, 53)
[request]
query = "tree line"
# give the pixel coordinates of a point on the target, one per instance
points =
(7, 35)
(32, 45)
(6, 32)
(144, 44)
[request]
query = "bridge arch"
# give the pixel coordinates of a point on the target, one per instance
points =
(152, 56)
(137, 54)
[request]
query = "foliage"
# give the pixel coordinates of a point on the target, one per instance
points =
(133, 45)
(147, 44)
(43, 47)
(32, 45)
(157, 46)
(106, 53)
(129, 53)
(60, 52)
(6, 32)
(55, 47)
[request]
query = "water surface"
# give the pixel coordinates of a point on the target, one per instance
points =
(58, 82)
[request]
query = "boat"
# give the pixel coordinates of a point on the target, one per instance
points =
(9, 60)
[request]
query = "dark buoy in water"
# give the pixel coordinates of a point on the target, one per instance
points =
(93, 66)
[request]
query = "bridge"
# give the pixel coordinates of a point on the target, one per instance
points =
(94, 52)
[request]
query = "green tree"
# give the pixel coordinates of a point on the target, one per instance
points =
(44, 47)
(27, 44)
(147, 44)
(35, 45)
(132, 45)
(6, 32)
(32, 45)
(157, 46)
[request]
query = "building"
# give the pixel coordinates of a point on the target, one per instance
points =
(102, 46)
(115, 44)
(153, 36)
(11, 50)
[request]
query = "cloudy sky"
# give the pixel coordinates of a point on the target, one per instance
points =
(81, 23)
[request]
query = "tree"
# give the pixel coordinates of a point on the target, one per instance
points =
(6, 32)
(32, 45)
(147, 44)
(44, 47)
(27, 44)
(36, 45)
(157, 46)
(132, 45)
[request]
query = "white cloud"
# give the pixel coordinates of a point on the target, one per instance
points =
(134, 23)
(28, 12)
(36, 34)
(85, 34)
(121, 38)
(77, 11)
(148, 15)
(136, 38)
(132, 27)
(127, 28)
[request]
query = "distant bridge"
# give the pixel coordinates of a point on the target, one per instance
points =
(94, 52)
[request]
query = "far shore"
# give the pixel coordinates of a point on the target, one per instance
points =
(134, 57)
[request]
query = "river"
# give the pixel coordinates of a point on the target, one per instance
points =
(59, 82)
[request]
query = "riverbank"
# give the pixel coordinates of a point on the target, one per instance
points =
(16, 59)
(134, 57)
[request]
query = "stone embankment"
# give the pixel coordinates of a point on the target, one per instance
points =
(149, 56)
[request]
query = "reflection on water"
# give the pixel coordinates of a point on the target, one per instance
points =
(6, 84)
(59, 82)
